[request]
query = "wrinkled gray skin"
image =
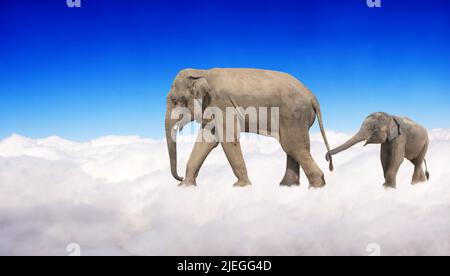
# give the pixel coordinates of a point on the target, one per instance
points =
(223, 88)
(400, 138)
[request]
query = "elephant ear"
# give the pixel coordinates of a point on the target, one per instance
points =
(200, 89)
(394, 129)
(197, 83)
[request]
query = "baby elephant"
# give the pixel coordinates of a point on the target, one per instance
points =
(400, 138)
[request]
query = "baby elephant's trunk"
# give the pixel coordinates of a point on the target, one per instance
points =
(350, 143)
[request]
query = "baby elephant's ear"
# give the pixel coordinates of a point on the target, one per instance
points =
(393, 129)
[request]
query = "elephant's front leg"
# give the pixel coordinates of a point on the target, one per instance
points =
(292, 175)
(385, 156)
(397, 157)
(206, 142)
(234, 155)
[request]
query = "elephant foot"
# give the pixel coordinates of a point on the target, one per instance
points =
(241, 184)
(316, 187)
(289, 183)
(317, 184)
(187, 184)
(388, 186)
(418, 181)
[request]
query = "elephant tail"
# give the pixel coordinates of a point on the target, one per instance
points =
(427, 173)
(316, 107)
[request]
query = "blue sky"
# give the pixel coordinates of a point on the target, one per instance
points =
(105, 68)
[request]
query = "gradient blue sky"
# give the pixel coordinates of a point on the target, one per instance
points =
(106, 68)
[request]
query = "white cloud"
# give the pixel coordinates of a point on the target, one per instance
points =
(115, 195)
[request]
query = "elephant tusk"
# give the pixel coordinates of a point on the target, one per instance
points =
(366, 143)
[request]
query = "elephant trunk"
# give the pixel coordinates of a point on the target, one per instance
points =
(359, 137)
(171, 139)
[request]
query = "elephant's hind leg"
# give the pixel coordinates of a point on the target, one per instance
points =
(292, 175)
(419, 174)
(234, 155)
(297, 144)
(314, 174)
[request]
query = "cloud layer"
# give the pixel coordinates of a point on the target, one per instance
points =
(115, 196)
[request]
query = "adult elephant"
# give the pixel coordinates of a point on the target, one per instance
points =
(240, 89)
